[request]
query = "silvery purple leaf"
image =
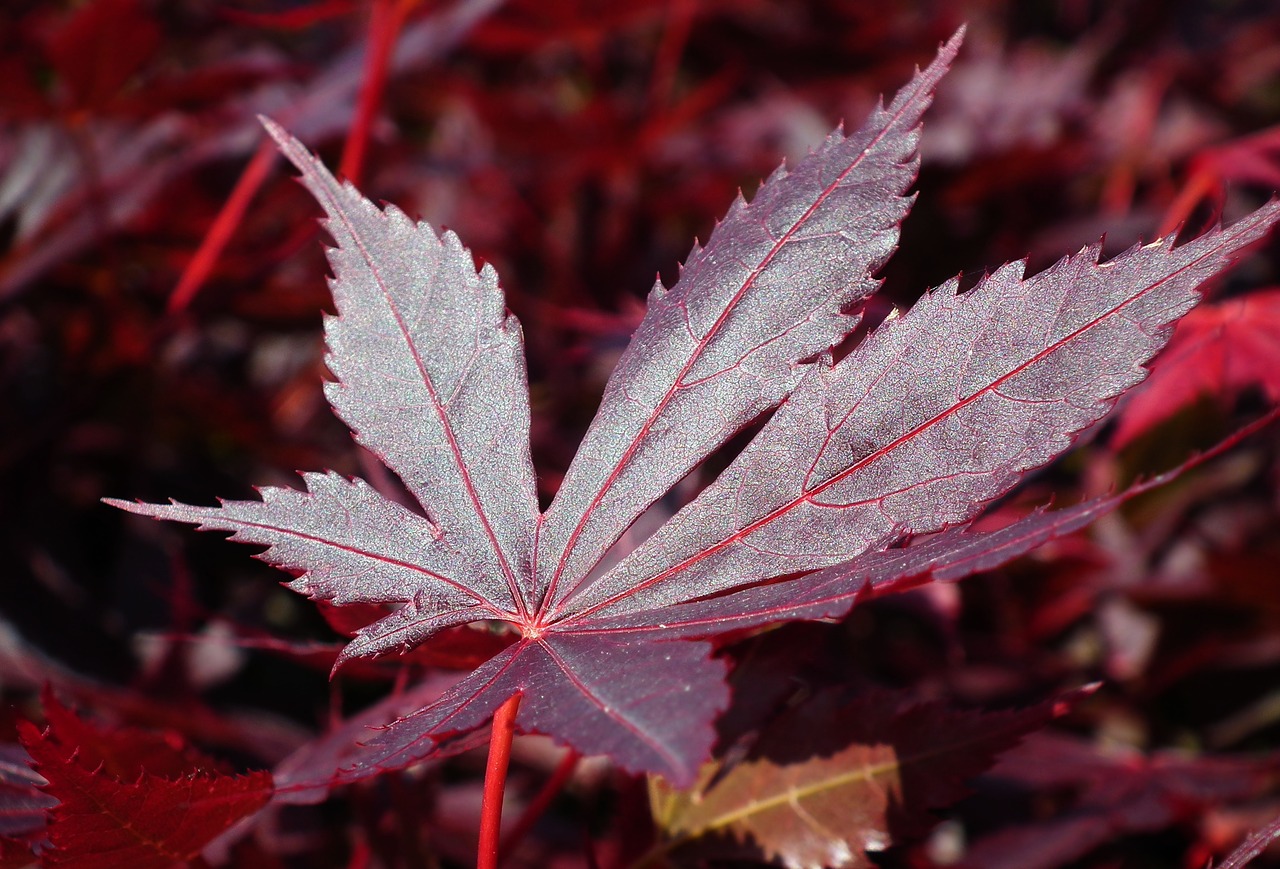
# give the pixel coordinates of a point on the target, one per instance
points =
(770, 288)
(935, 414)
(431, 377)
(929, 418)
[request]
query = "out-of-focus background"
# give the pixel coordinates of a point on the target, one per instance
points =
(151, 348)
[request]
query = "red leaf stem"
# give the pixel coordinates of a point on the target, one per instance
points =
(495, 778)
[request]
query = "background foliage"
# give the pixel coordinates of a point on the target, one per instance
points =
(579, 147)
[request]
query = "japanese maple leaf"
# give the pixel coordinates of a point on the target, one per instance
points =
(934, 414)
(129, 798)
(839, 773)
(1217, 351)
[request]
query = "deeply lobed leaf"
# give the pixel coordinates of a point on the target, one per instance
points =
(933, 415)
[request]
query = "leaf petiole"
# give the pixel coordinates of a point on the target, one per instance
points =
(495, 779)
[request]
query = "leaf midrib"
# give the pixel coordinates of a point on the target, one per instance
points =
(445, 424)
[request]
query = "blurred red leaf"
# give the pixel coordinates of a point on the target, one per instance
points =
(15, 854)
(1117, 795)
(115, 810)
(1218, 350)
(100, 48)
(1252, 159)
(308, 774)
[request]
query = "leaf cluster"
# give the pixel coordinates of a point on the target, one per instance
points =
(111, 174)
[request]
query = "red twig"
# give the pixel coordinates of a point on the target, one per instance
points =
(385, 21)
(495, 779)
(675, 35)
(384, 28)
(1204, 183)
(224, 225)
(536, 808)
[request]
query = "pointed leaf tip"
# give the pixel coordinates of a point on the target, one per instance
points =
(947, 51)
(282, 136)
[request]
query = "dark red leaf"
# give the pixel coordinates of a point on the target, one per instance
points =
(1217, 351)
(15, 854)
(113, 810)
(1119, 794)
(100, 48)
(124, 754)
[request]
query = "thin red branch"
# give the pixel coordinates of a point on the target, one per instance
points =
(224, 225)
(385, 20)
(495, 780)
(1204, 184)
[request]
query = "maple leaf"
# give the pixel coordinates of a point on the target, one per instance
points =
(839, 774)
(1217, 350)
(933, 415)
(116, 805)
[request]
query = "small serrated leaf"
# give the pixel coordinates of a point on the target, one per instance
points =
(839, 775)
(145, 821)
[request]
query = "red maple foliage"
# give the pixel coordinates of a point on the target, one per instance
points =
(159, 288)
(126, 797)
